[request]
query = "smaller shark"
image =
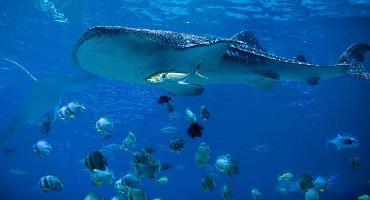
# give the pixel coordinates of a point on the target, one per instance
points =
(180, 63)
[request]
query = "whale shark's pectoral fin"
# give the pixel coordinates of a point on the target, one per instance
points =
(183, 89)
(263, 83)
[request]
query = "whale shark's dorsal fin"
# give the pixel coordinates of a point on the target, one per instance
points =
(247, 37)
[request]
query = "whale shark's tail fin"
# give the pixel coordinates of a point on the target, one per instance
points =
(354, 57)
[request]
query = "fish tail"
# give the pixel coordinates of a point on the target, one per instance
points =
(354, 57)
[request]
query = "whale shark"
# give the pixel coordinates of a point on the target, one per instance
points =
(180, 63)
(183, 64)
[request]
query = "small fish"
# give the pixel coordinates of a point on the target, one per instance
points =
(50, 182)
(9, 150)
(99, 177)
(131, 180)
(364, 197)
(322, 184)
(204, 112)
(169, 130)
(306, 182)
(164, 100)
(163, 77)
(18, 172)
(190, 116)
(105, 127)
(203, 155)
(227, 192)
(262, 148)
(46, 123)
(195, 130)
(96, 160)
(121, 187)
(255, 194)
(208, 183)
(42, 148)
(354, 161)
(344, 141)
(70, 110)
(129, 142)
(112, 147)
(285, 177)
(227, 164)
(177, 144)
(93, 196)
(170, 107)
(311, 194)
(163, 180)
(137, 194)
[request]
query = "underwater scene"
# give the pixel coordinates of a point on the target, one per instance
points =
(185, 99)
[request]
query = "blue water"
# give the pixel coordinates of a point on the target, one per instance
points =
(295, 119)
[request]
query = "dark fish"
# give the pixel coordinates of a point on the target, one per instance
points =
(50, 182)
(146, 170)
(306, 182)
(195, 130)
(164, 100)
(227, 192)
(46, 123)
(131, 180)
(170, 107)
(177, 144)
(208, 183)
(96, 160)
(205, 113)
(354, 161)
(9, 150)
(165, 166)
(348, 141)
(137, 193)
(143, 157)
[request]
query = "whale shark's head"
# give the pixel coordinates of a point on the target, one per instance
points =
(132, 55)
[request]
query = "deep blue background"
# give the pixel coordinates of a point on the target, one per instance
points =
(295, 119)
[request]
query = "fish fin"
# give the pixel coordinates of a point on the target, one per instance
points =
(247, 37)
(197, 71)
(354, 57)
(266, 84)
(183, 89)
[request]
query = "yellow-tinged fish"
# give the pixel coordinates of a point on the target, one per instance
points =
(364, 197)
(285, 177)
(163, 180)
